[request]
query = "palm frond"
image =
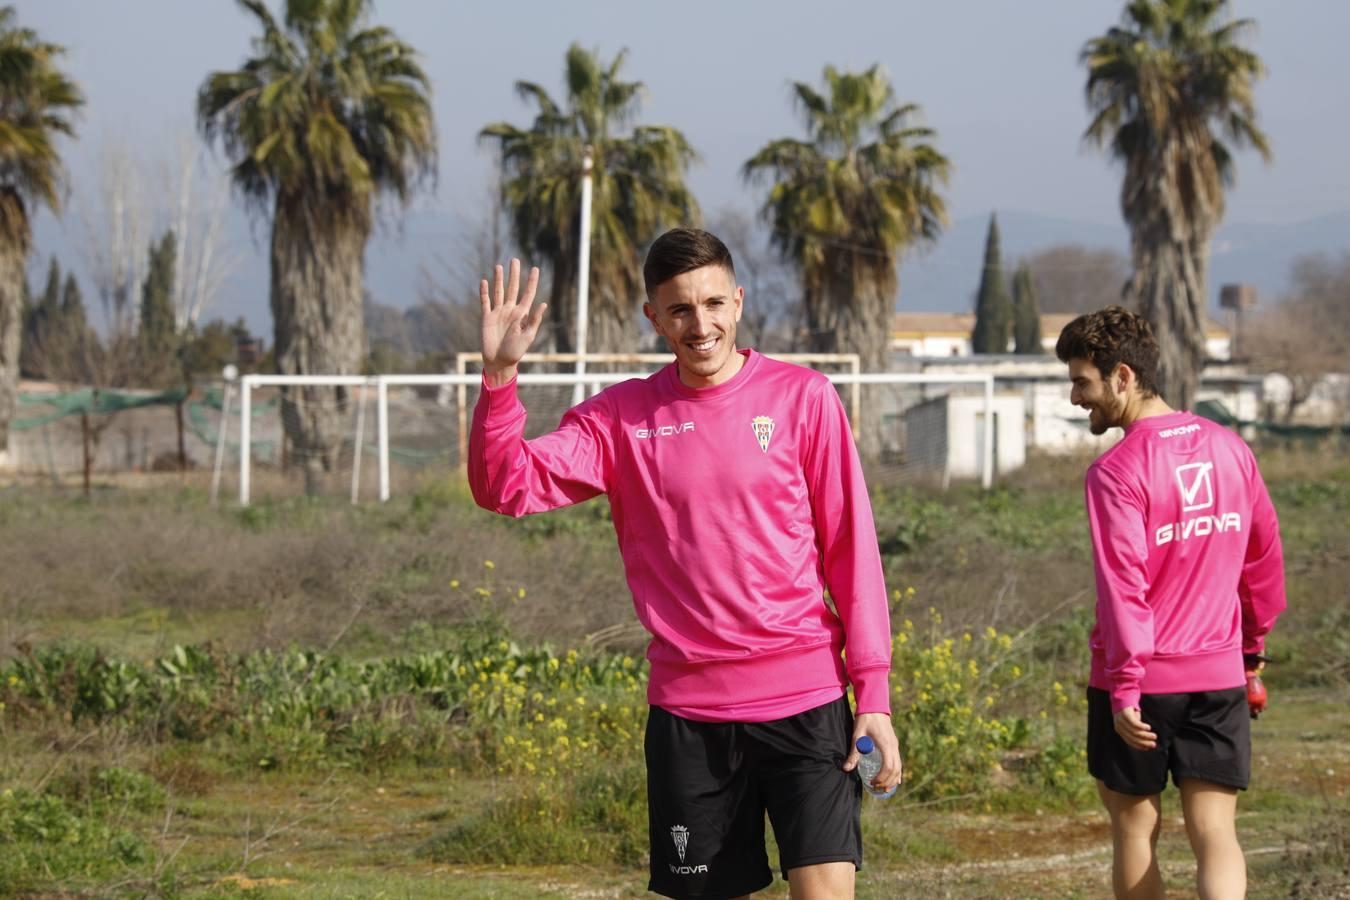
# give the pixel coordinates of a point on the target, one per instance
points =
(327, 110)
(38, 102)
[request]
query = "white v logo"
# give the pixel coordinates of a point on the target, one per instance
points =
(1197, 486)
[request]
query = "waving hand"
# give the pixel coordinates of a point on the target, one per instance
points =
(509, 322)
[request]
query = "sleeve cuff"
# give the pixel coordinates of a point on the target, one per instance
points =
(1123, 698)
(871, 690)
(498, 395)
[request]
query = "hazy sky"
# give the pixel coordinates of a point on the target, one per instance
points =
(999, 80)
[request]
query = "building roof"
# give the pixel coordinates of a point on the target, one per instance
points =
(939, 324)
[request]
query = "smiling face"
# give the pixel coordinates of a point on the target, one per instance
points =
(1105, 404)
(696, 312)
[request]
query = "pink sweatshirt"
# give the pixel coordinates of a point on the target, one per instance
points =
(1190, 573)
(735, 507)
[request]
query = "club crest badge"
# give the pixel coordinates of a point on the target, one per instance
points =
(680, 835)
(763, 427)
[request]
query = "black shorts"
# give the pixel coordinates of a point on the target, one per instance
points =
(710, 783)
(1204, 735)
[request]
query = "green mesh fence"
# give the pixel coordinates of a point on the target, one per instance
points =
(90, 400)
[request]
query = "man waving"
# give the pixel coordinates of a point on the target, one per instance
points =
(738, 501)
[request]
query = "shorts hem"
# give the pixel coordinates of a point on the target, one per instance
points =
(1132, 790)
(758, 885)
(842, 856)
(1221, 781)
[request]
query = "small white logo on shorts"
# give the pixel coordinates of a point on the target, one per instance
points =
(680, 835)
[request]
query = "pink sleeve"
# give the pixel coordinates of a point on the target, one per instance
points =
(847, 539)
(1261, 587)
(1116, 519)
(510, 475)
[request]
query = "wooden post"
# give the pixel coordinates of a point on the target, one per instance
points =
(88, 458)
(182, 447)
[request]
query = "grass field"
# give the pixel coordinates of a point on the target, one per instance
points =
(306, 699)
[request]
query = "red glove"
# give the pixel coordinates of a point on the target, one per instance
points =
(1256, 691)
(1256, 694)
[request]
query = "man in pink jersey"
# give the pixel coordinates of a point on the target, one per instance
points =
(737, 500)
(1190, 578)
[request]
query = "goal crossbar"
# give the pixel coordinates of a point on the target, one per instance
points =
(464, 380)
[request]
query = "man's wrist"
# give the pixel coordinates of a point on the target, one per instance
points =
(499, 376)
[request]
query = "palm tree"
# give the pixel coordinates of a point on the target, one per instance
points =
(638, 191)
(845, 203)
(1166, 88)
(37, 103)
(327, 113)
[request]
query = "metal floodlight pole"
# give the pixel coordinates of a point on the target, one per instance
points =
(583, 274)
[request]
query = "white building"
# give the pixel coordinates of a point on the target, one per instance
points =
(945, 435)
(927, 334)
(1052, 424)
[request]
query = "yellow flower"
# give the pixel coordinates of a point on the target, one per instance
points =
(489, 564)
(454, 582)
(521, 593)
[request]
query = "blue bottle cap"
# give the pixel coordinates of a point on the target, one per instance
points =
(865, 745)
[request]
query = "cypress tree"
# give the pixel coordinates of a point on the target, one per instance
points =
(41, 320)
(993, 308)
(1026, 313)
(158, 334)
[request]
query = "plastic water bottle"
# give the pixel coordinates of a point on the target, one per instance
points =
(869, 766)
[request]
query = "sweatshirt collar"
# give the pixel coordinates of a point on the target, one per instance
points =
(1156, 423)
(717, 390)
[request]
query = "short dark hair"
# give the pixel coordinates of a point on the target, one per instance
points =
(682, 250)
(1109, 337)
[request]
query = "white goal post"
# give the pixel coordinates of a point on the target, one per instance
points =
(464, 380)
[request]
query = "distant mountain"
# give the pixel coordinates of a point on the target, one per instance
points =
(944, 278)
(941, 279)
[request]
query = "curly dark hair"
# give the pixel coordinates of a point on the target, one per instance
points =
(1109, 337)
(683, 250)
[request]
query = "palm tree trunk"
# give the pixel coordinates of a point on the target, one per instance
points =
(1168, 288)
(13, 254)
(850, 312)
(611, 321)
(316, 295)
